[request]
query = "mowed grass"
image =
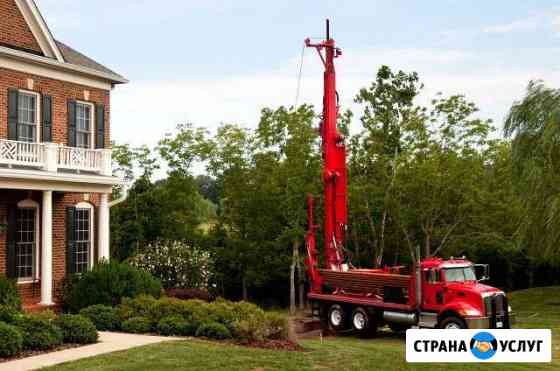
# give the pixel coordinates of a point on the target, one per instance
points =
(536, 308)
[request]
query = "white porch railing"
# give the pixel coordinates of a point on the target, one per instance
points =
(52, 157)
(21, 153)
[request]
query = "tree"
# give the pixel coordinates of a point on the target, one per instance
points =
(534, 125)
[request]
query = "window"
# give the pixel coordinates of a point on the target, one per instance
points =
(27, 117)
(460, 274)
(84, 120)
(26, 254)
(84, 238)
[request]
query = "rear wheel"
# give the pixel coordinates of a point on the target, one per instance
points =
(337, 318)
(453, 323)
(363, 324)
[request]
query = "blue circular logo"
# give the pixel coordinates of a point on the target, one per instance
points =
(483, 345)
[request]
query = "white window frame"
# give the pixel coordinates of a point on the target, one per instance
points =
(91, 208)
(91, 122)
(37, 112)
(30, 204)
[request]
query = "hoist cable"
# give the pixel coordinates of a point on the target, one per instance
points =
(299, 77)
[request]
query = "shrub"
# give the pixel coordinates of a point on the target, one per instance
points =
(48, 315)
(213, 330)
(108, 283)
(137, 325)
(103, 317)
(137, 307)
(189, 294)
(166, 307)
(39, 334)
(175, 325)
(276, 326)
(176, 264)
(10, 301)
(77, 329)
(11, 340)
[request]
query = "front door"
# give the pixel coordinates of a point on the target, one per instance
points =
(433, 290)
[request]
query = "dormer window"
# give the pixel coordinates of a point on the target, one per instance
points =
(28, 116)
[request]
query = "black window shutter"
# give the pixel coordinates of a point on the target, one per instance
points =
(13, 96)
(11, 242)
(46, 110)
(71, 123)
(100, 126)
(70, 240)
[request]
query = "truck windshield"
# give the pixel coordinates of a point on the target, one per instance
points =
(459, 274)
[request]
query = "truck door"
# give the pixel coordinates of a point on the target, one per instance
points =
(433, 294)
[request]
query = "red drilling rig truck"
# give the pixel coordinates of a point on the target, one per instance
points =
(433, 293)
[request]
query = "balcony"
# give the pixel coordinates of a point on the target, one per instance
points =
(52, 157)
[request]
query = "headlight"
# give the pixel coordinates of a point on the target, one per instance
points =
(509, 309)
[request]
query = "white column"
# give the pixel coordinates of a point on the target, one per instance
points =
(103, 242)
(46, 260)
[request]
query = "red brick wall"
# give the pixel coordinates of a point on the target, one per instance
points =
(60, 91)
(13, 28)
(31, 292)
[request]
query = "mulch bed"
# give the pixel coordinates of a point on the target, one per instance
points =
(31, 353)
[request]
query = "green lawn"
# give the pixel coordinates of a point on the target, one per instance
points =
(536, 308)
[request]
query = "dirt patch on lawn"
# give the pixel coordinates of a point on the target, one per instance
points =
(285, 345)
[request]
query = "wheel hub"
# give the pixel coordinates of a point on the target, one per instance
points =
(359, 321)
(336, 318)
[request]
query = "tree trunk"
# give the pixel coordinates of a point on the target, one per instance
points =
(244, 285)
(293, 279)
(301, 282)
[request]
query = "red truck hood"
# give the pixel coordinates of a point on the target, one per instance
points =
(471, 286)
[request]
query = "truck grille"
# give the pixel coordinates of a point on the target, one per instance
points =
(497, 309)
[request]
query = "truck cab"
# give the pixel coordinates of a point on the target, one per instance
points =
(453, 297)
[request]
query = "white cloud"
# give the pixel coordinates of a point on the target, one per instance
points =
(144, 111)
(525, 24)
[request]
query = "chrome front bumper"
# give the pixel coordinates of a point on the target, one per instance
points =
(485, 322)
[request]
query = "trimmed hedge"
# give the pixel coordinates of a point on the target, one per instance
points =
(103, 317)
(213, 330)
(77, 329)
(175, 326)
(169, 316)
(107, 283)
(137, 325)
(11, 340)
(39, 334)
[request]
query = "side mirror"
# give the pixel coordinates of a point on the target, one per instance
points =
(482, 272)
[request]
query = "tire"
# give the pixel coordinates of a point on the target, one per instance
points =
(337, 318)
(452, 323)
(363, 323)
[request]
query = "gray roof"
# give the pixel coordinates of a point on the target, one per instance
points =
(75, 57)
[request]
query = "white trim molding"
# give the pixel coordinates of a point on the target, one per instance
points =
(30, 204)
(39, 29)
(91, 209)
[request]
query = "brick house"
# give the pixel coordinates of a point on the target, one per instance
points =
(55, 156)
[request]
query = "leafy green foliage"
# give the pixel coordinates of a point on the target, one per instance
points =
(104, 317)
(11, 340)
(76, 329)
(534, 125)
(10, 301)
(108, 283)
(213, 330)
(39, 334)
(137, 325)
(175, 326)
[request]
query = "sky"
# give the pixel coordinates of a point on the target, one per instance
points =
(208, 61)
